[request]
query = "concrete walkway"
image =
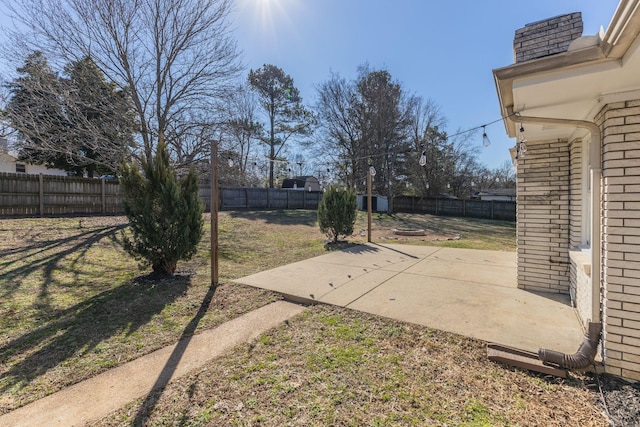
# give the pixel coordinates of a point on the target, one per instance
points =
(97, 397)
(468, 292)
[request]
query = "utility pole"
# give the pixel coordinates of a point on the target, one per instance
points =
(370, 173)
(214, 213)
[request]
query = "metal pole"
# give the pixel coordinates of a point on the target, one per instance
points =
(369, 210)
(214, 213)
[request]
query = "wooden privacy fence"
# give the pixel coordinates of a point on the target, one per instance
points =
(33, 195)
(493, 209)
(22, 194)
(230, 198)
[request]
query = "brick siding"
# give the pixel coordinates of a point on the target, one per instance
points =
(621, 237)
(543, 217)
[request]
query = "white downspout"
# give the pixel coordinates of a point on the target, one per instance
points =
(596, 176)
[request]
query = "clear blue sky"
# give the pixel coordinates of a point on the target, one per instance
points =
(443, 50)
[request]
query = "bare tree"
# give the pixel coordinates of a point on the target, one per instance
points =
(339, 134)
(505, 175)
(364, 121)
(241, 130)
(173, 56)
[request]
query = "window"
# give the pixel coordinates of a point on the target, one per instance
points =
(586, 192)
(21, 168)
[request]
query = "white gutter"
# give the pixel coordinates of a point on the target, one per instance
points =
(596, 176)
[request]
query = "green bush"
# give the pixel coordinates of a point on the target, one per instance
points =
(165, 214)
(337, 212)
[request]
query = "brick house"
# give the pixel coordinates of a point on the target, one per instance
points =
(573, 104)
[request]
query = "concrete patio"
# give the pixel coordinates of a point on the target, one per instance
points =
(468, 292)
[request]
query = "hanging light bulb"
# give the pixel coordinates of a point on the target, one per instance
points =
(423, 159)
(521, 132)
(522, 148)
(427, 185)
(522, 143)
(448, 185)
(230, 162)
(485, 138)
(372, 170)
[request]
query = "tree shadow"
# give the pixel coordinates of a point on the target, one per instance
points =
(281, 217)
(151, 400)
(45, 256)
(77, 330)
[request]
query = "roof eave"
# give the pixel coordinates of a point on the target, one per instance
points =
(505, 76)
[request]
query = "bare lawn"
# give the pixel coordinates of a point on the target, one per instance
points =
(75, 304)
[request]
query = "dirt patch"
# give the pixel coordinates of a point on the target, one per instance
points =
(409, 235)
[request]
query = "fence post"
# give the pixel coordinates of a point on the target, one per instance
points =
(246, 197)
(41, 193)
(104, 202)
(491, 209)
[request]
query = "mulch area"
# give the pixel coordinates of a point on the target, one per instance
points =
(619, 399)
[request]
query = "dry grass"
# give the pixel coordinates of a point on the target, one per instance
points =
(74, 304)
(466, 233)
(335, 367)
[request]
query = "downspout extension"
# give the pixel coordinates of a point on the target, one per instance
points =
(596, 171)
(581, 359)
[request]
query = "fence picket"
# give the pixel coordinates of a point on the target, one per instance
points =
(32, 195)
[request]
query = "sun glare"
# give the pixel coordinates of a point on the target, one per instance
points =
(270, 17)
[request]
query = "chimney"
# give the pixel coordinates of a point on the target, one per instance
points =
(547, 37)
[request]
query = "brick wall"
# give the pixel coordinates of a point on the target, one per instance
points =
(575, 194)
(543, 217)
(621, 237)
(548, 37)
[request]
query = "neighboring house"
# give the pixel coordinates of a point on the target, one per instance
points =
(499, 195)
(307, 183)
(9, 163)
(577, 100)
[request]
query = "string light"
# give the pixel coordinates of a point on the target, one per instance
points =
(522, 143)
(485, 138)
(522, 148)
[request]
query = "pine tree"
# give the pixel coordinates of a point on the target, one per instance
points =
(165, 214)
(337, 212)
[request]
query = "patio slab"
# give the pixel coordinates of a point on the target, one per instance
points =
(469, 292)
